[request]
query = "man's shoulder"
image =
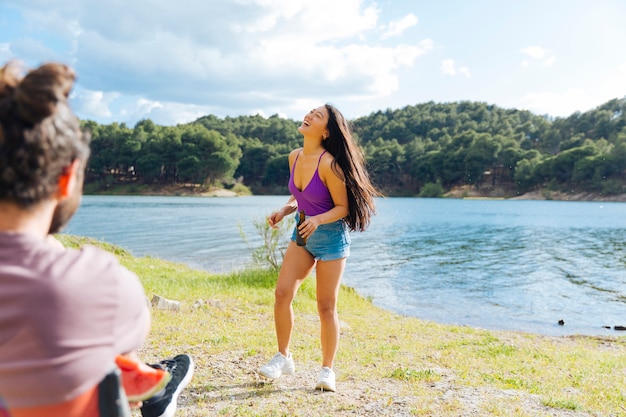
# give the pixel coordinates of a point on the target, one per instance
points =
(93, 256)
(84, 267)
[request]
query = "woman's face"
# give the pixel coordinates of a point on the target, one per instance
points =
(315, 123)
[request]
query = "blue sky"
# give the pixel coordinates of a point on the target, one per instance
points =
(175, 61)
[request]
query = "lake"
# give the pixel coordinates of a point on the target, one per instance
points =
(495, 264)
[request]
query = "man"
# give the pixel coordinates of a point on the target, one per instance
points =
(64, 314)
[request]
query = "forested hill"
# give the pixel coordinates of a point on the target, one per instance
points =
(425, 149)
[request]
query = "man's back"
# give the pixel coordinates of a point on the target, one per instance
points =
(64, 316)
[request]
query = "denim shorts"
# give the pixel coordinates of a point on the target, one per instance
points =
(329, 242)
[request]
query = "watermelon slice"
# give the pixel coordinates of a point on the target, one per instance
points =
(4, 410)
(141, 381)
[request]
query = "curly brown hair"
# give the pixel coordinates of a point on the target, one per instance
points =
(39, 134)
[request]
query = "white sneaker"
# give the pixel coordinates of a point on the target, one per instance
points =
(278, 366)
(326, 380)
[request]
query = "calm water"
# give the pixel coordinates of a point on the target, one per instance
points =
(511, 265)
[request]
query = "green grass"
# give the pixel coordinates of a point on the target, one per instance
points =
(227, 324)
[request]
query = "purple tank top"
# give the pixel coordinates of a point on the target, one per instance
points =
(315, 198)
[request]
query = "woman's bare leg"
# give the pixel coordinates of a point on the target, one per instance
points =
(297, 265)
(328, 278)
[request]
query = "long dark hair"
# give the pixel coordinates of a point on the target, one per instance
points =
(349, 157)
(39, 134)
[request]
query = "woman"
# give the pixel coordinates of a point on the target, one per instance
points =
(328, 182)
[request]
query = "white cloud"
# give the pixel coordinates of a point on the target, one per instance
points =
(465, 71)
(5, 52)
(157, 58)
(170, 113)
(556, 103)
(227, 55)
(398, 27)
(583, 97)
(29, 49)
(539, 54)
(448, 67)
(535, 52)
(548, 62)
(113, 107)
(93, 104)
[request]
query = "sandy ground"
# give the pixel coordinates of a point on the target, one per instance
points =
(470, 192)
(186, 190)
(218, 192)
(234, 388)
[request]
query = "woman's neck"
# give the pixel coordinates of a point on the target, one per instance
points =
(312, 148)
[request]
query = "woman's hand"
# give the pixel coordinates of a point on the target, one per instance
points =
(274, 218)
(308, 226)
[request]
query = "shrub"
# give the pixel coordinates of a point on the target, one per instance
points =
(431, 190)
(274, 242)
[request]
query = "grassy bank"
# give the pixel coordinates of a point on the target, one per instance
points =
(387, 365)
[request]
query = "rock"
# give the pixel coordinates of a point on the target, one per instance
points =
(215, 304)
(162, 303)
(561, 322)
(619, 327)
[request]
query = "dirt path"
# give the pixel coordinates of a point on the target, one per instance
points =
(234, 388)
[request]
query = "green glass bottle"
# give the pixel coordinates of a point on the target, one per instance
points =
(299, 239)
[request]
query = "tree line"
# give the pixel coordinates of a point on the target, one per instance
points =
(424, 149)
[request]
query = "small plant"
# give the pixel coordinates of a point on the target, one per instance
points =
(274, 242)
(241, 189)
(432, 190)
(405, 374)
(553, 185)
(612, 187)
(563, 404)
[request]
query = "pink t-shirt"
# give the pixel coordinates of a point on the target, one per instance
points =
(64, 316)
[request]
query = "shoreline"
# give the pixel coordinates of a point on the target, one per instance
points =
(170, 190)
(459, 193)
(469, 192)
